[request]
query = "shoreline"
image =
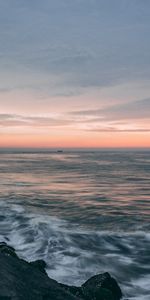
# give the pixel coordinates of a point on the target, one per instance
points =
(24, 280)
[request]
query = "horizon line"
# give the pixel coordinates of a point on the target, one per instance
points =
(74, 148)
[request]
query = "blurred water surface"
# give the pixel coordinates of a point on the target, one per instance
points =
(83, 212)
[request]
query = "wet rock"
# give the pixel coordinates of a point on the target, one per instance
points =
(4, 298)
(7, 250)
(20, 280)
(102, 281)
(103, 294)
(98, 294)
(90, 293)
(76, 291)
(39, 264)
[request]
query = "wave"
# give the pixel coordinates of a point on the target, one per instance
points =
(74, 254)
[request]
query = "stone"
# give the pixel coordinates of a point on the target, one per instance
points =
(39, 264)
(7, 250)
(20, 280)
(104, 281)
(5, 298)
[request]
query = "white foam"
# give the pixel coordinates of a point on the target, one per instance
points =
(143, 282)
(73, 254)
(141, 297)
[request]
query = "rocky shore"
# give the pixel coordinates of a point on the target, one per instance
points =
(21, 280)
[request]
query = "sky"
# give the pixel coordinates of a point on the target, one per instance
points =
(74, 73)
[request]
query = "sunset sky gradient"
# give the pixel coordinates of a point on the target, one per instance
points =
(74, 73)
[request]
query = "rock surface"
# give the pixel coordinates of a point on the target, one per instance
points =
(20, 280)
(103, 281)
(39, 264)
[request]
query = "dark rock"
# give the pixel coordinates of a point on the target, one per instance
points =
(76, 291)
(39, 264)
(7, 250)
(104, 281)
(97, 293)
(103, 294)
(90, 293)
(20, 280)
(4, 298)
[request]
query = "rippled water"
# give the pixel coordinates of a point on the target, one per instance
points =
(83, 212)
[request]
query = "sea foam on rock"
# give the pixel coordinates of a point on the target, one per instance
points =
(20, 280)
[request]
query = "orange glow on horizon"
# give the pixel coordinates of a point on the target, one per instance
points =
(85, 140)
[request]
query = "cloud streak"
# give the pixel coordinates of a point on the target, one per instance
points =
(10, 120)
(139, 109)
(102, 120)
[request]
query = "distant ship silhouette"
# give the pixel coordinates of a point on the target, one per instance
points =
(59, 151)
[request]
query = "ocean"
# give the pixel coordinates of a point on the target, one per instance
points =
(83, 212)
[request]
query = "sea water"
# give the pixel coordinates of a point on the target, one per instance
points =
(82, 212)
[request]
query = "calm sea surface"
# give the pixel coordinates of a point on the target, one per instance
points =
(82, 212)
